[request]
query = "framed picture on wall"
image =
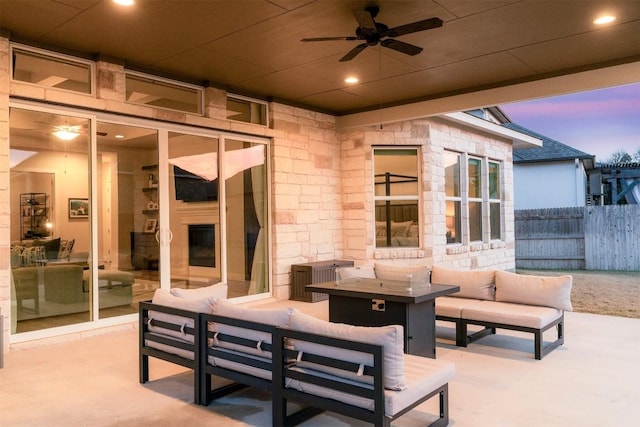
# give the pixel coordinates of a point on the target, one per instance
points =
(150, 225)
(78, 208)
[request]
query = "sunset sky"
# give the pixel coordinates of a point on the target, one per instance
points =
(597, 122)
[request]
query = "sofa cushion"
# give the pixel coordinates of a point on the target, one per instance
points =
(218, 290)
(475, 284)
(273, 317)
(390, 337)
(164, 297)
(534, 290)
(452, 307)
(415, 273)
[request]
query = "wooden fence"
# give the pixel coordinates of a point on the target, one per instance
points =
(591, 238)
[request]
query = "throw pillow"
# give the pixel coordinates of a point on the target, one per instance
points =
(534, 290)
(66, 246)
(219, 290)
(476, 284)
(390, 337)
(52, 248)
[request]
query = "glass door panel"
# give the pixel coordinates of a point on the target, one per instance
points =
(246, 218)
(128, 212)
(50, 219)
(194, 211)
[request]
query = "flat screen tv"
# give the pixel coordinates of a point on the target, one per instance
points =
(193, 188)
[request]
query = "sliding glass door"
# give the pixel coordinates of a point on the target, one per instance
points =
(107, 209)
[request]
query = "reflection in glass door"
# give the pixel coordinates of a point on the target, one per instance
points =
(194, 200)
(245, 171)
(128, 211)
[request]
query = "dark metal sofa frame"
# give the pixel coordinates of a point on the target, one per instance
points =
(540, 350)
(377, 417)
(145, 351)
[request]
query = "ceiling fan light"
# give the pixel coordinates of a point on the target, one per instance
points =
(66, 133)
(604, 19)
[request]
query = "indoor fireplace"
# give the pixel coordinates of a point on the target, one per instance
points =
(202, 246)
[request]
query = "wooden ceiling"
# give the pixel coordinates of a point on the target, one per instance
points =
(253, 47)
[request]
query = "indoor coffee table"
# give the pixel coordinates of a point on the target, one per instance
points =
(375, 302)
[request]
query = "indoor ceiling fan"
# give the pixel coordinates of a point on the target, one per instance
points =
(372, 33)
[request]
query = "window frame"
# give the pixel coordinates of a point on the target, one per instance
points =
(390, 198)
(55, 57)
(486, 199)
(169, 83)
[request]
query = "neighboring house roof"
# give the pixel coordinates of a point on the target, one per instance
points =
(550, 151)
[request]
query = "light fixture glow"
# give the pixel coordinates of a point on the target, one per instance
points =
(66, 133)
(125, 2)
(351, 80)
(118, 136)
(604, 19)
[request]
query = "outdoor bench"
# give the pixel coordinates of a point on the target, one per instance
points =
(503, 300)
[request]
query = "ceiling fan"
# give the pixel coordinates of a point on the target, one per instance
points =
(373, 32)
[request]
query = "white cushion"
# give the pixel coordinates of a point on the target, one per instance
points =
(535, 290)
(274, 317)
(390, 337)
(402, 273)
(218, 290)
(452, 307)
(530, 316)
(476, 284)
(164, 297)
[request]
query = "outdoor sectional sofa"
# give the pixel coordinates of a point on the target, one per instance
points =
(499, 299)
(356, 371)
(489, 298)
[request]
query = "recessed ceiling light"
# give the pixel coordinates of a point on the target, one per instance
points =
(604, 19)
(125, 2)
(119, 136)
(351, 80)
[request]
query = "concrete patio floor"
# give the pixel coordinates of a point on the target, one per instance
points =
(592, 380)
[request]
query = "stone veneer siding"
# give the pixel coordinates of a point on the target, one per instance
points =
(321, 180)
(433, 136)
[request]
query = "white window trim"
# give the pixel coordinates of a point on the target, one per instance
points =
(177, 83)
(55, 55)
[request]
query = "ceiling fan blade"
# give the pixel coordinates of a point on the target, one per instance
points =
(354, 52)
(414, 27)
(365, 21)
(402, 47)
(324, 39)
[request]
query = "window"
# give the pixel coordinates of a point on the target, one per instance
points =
(163, 93)
(453, 197)
(474, 176)
(396, 197)
(47, 69)
(247, 110)
(495, 217)
(475, 213)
